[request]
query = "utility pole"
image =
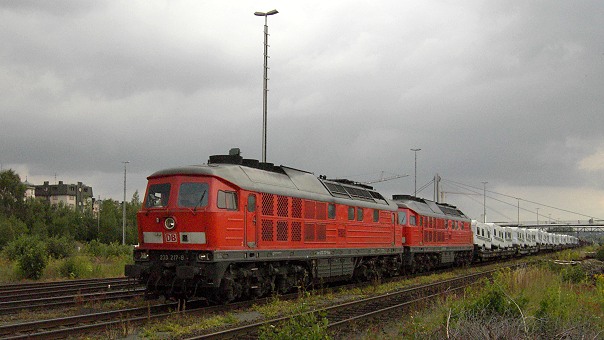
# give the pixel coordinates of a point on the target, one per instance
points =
(98, 219)
(415, 151)
(124, 210)
(436, 188)
(484, 202)
(518, 210)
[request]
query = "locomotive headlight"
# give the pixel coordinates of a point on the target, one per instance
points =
(169, 223)
(141, 255)
(204, 257)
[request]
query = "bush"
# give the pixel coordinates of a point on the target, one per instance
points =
(574, 274)
(600, 253)
(493, 301)
(98, 249)
(33, 260)
(59, 247)
(76, 267)
(18, 247)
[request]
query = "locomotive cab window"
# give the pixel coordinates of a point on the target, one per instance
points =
(158, 195)
(351, 213)
(412, 220)
(193, 195)
(402, 218)
(359, 214)
(227, 200)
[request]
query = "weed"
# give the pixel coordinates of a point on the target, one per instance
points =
(309, 325)
(76, 267)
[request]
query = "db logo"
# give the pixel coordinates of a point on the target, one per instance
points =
(171, 237)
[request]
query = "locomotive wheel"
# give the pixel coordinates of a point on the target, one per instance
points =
(227, 290)
(361, 274)
(283, 284)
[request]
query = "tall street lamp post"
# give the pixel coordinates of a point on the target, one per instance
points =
(124, 210)
(265, 81)
(415, 151)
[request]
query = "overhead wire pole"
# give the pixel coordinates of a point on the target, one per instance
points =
(265, 80)
(484, 202)
(518, 210)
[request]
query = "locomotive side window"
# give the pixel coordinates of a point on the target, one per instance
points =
(158, 195)
(351, 213)
(402, 218)
(251, 203)
(376, 215)
(193, 195)
(227, 200)
(412, 220)
(331, 211)
(359, 214)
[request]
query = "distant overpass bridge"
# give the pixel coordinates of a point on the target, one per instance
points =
(561, 227)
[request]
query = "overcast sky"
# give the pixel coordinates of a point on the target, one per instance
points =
(507, 92)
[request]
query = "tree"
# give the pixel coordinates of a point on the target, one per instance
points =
(110, 229)
(12, 192)
(37, 216)
(10, 229)
(132, 208)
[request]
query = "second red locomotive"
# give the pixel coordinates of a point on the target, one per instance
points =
(237, 228)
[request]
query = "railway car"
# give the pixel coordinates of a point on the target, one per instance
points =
(542, 239)
(507, 237)
(497, 237)
(482, 235)
(433, 234)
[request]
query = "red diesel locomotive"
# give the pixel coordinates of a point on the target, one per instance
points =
(237, 228)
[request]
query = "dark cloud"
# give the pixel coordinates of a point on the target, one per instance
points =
(497, 92)
(59, 8)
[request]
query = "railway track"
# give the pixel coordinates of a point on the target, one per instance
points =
(338, 316)
(342, 315)
(15, 297)
(65, 283)
(100, 322)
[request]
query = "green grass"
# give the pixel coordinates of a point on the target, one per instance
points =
(181, 325)
(529, 303)
(80, 267)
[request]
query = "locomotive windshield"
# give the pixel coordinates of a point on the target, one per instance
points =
(193, 195)
(158, 195)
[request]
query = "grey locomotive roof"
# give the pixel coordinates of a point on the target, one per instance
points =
(428, 208)
(286, 181)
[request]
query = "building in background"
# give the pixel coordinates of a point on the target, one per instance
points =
(30, 190)
(77, 196)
